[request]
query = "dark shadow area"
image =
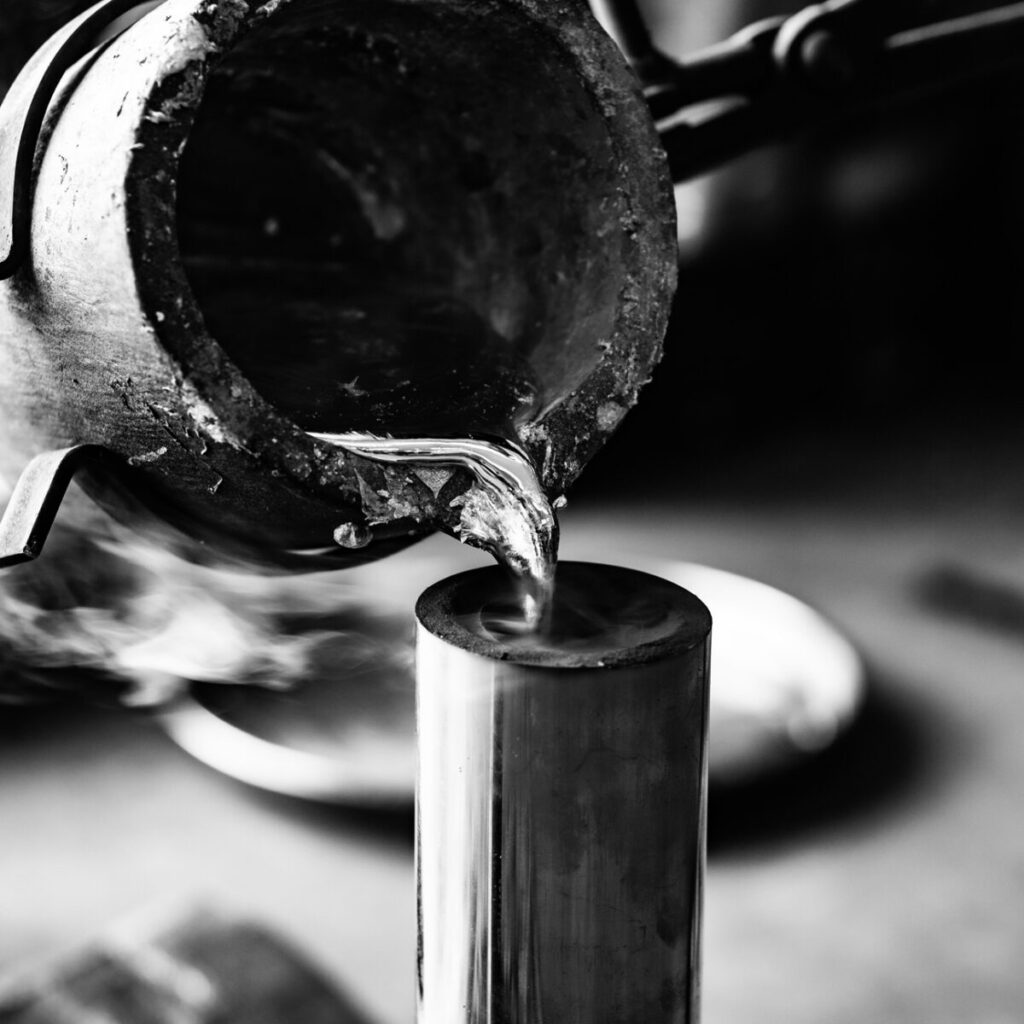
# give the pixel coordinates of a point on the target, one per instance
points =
(39, 707)
(859, 284)
(392, 823)
(872, 770)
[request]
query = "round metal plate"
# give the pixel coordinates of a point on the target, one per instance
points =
(785, 684)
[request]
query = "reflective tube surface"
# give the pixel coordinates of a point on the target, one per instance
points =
(561, 802)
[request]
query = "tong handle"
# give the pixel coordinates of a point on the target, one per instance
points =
(826, 63)
(36, 500)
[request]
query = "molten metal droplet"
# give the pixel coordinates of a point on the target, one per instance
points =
(352, 535)
(506, 513)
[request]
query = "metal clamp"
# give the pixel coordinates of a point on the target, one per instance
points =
(24, 109)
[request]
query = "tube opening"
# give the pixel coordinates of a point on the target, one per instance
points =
(601, 616)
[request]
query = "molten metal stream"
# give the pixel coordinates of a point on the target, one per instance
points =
(506, 513)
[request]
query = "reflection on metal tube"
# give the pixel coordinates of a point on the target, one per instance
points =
(561, 800)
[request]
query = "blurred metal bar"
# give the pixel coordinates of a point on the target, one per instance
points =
(827, 64)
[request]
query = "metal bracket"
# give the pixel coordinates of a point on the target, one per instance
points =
(37, 496)
(24, 108)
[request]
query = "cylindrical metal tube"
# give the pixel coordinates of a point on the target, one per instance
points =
(561, 801)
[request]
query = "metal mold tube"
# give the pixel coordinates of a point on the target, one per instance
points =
(561, 802)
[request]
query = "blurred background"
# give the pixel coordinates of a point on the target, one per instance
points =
(856, 288)
(837, 414)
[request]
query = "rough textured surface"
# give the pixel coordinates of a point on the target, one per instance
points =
(533, 207)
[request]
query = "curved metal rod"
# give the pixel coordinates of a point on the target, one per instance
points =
(23, 114)
(36, 499)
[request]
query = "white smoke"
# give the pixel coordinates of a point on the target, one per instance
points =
(114, 613)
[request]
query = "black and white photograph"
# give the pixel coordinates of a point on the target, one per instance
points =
(511, 512)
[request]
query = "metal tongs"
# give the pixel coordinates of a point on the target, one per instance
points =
(783, 76)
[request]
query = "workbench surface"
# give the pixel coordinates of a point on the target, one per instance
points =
(883, 883)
